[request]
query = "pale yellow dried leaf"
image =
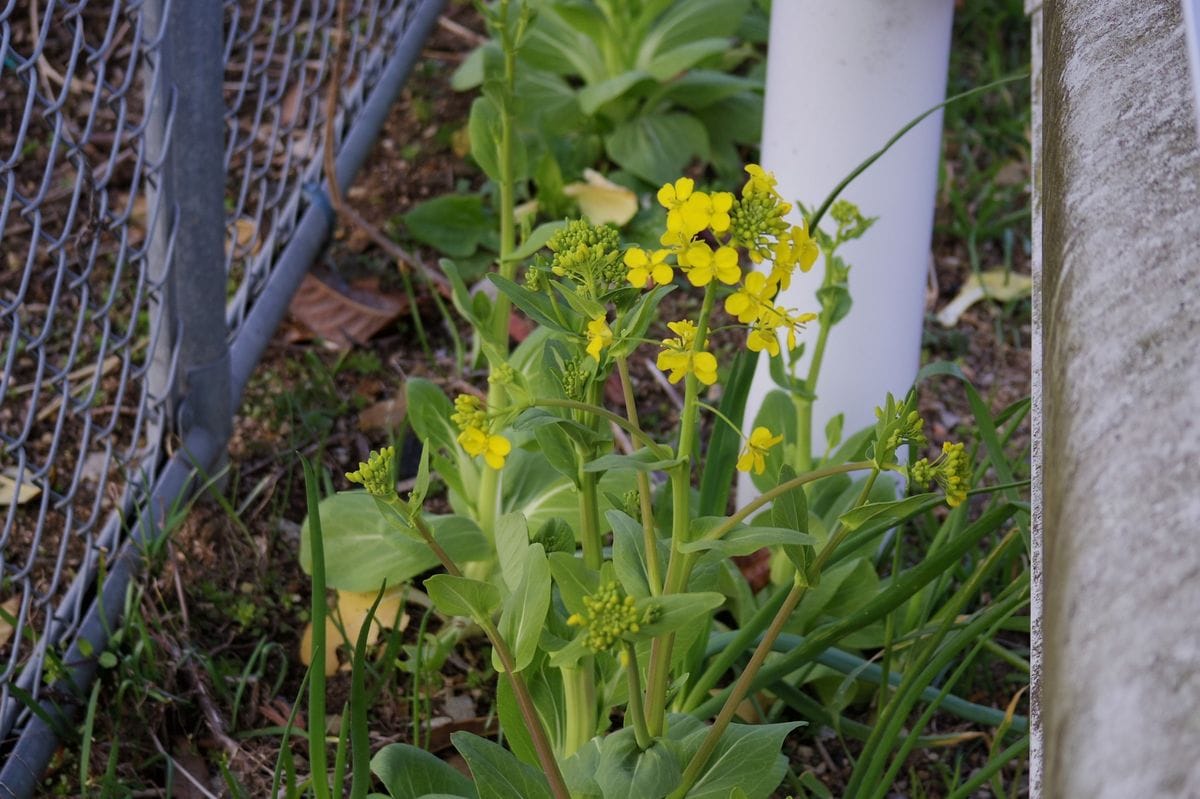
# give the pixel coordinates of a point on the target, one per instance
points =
(999, 285)
(351, 611)
(601, 201)
(9, 492)
(8, 617)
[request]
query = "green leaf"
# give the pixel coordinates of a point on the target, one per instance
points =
(584, 306)
(525, 610)
(498, 774)
(535, 304)
(579, 771)
(574, 580)
(592, 97)
(703, 87)
(454, 224)
(636, 321)
(411, 773)
(791, 511)
(656, 147)
(536, 240)
(532, 486)
(643, 460)
(623, 770)
(512, 547)
(676, 611)
(744, 540)
(558, 450)
(747, 757)
(363, 548)
(629, 559)
(881, 511)
(669, 64)
(483, 127)
(545, 687)
(429, 411)
(462, 596)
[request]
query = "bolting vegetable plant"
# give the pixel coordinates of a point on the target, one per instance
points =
(581, 631)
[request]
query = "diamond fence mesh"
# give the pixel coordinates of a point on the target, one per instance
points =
(161, 196)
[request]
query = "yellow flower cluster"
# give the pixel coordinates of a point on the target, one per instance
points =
(703, 236)
(951, 470)
(599, 336)
(678, 357)
(474, 437)
(377, 475)
(754, 456)
(607, 616)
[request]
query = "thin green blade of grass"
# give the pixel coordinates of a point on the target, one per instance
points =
(318, 764)
(360, 741)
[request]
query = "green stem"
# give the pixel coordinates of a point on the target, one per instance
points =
(316, 686)
(678, 565)
(635, 712)
(645, 494)
(589, 515)
(579, 700)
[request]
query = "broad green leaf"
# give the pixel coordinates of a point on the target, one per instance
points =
(883, 511)
(579, 771)
(623, 770)
(462, 596)
(558, 450)
(554, 45)
(744, 540)
(363, 549)
(536, 240)
(582, 305)
(483, 127)
(593, 97)
(429, 411)
(498, 774)
(675, 611)
(703, 87)
(555, 536)
(791, 511)
(656, 147)
(545, 687)
(636, 321)
(695, 20)
(629, 557)
(574, 580)
(643, 460)
(512, 547)
(535, 304)
(547, 104)
(411, 773)
(671, 63)
(747, 757)
(453, 224)
(532, 486)
(525, 610)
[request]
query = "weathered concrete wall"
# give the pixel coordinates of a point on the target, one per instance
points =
(1120, 194)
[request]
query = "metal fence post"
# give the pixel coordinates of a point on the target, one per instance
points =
(187, 250)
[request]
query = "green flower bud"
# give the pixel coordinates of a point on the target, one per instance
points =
(377, 475)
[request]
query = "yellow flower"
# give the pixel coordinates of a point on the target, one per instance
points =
(754, 456)
(678, 358)
(677, 242)
(802, 251)
(747, 303)
(643, 266)
(703, 265)
(599, 336)
(701, 211)
(493, 448)
(762, 337)
(672, 196)
(774, 317)
(760, 182)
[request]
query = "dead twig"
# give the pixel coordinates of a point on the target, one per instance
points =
(462, 31)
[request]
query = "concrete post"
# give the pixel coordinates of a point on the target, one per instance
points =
(1119, 521)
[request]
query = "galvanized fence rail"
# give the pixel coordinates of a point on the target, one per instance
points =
(161, 197)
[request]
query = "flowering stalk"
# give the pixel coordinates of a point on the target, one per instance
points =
(650, 538)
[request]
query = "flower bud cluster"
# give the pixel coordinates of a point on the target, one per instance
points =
(608, 615)
(951, 470)
(377, 474)
(588, 254)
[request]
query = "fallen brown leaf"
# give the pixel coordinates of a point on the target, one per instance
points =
(343, 314)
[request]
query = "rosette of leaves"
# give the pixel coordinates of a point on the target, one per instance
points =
(648, 84)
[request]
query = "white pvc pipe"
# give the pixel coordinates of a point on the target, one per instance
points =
(842, 78)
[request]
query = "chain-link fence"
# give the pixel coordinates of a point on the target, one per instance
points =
(161, 178)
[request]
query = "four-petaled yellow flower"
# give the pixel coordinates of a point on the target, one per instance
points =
(701, 211)
(643, 266)
(673, 195)
(754, 456)
(678, 358)
(748, 302)
(762, 337)
(599, 336)
(703, 265)
(494, 448)
(760, 182)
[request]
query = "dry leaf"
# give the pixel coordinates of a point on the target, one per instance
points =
(385, 415)
(245, 239)
(351, 611)
(602, 201)
(8, 618)
(342, 314)
(999, 285)
(9, 491)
